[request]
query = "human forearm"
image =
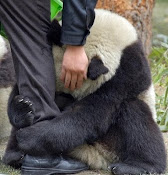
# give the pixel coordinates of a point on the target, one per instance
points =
(78, 17)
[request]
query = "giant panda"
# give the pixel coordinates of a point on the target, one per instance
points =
(111, 36)
(111, 123)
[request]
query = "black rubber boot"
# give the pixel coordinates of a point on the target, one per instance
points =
(49, 166)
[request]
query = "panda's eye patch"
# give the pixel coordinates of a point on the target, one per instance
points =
(96, 68)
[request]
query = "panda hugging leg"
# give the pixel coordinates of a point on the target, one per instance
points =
(109, 117)
(21, 110)
(113, 116)
(139, 144)
(113, 111)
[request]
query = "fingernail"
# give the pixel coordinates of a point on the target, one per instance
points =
(30, 112)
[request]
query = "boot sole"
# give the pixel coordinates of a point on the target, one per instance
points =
(48, 171)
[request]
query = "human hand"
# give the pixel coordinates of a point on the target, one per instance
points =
(74, 67)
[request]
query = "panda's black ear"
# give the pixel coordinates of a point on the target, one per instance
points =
(54, 33)
(96, 68)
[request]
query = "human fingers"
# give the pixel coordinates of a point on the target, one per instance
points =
(79, 81)
(74, 79)
(67, 79)
(85, 73)
(63, 74)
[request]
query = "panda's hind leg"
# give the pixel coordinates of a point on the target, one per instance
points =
(140, 147)
(13, 155)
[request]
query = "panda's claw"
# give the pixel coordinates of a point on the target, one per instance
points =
(20, 100)
(30, 104)
(30, 112)
(26, 101)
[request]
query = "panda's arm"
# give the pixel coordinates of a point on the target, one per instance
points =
(96, 68)
(85, 121)
(134, 71)
(63, 100)
(54, 33)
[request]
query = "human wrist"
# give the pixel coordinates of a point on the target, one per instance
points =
(74, 47)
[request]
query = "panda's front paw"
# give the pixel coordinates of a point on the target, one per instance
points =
(22, 114)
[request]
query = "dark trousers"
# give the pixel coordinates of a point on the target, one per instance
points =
(27, 23)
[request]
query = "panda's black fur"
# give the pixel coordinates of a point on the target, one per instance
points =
(110, 126)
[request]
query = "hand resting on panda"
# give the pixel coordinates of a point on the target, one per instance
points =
(21, 109)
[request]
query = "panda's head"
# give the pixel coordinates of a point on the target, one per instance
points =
(109, 36)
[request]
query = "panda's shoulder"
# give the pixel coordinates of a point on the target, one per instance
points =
(117, 28)
(112, 20)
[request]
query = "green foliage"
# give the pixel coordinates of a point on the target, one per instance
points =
(159, 65)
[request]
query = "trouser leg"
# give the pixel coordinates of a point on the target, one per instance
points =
(27, 23)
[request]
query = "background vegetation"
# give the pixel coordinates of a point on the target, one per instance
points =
(159, 66)
(159, 61)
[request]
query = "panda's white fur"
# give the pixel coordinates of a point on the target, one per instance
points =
(97, 156)
(5, 127)
(3, 48)
(106, 42)
(110, 35)
(148, 97)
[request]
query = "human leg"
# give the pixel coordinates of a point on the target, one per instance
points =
(31, 52)
(27, 24)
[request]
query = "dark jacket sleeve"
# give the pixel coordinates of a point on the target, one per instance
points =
(78, 17)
